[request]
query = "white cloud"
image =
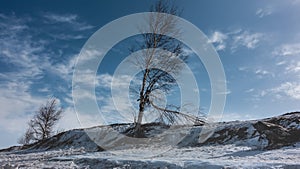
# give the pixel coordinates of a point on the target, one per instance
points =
(263, 93)
(286, 90)
(261, 73)
(235, 39)
(249, 90)
(69, 120)
(281, 63)
(288, 50)
(88, 55)
(114, 109)
(243, 68)
(262, 12)
(118, 85)
(70, 19)
(85, 79)
(62, 36)
(226, 92)
(290, 89)
(29, 60)
(219, 39)
(247, 39)
(64, 70)
(236, 116)
(293, 67)
(72, 120)
(18, 49)
(12, 24)
(71, 22)
(107, 80)
(187, 51)
(83, 94)
(45, 89)
(123, 113)
(17, 106)
(84, 75)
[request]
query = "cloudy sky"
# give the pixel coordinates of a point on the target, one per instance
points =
(258, 43)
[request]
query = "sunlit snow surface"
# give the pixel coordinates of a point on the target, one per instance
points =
(267, 143)
(217, 156)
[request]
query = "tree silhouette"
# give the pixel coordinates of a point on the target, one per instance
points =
(158, 67)
(41, 125)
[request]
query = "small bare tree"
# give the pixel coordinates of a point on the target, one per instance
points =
(41, 125)
(27, 138)
(158, 66)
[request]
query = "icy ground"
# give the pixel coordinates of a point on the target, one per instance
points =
(214, 156)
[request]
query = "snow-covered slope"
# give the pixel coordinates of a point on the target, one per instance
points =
(267, 143)
(72, 139)
(270, 133)
(75, 139)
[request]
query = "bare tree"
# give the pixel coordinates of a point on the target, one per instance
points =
(27, 137)
(42, 124)
(158, 66)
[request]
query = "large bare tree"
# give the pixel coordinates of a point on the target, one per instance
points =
(42, 124)
(159, 67)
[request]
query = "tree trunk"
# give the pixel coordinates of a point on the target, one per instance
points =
(138, 132)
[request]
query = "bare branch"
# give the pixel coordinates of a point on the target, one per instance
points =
(41, 125)
(158, 65)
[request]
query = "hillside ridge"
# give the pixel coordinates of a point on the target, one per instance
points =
(269, 133)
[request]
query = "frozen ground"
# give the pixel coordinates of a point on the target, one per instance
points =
(216, 156)
(267, 143)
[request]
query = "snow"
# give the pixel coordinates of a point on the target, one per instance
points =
(294, 125)
(233, 145)
(213, 156)
(38, 159)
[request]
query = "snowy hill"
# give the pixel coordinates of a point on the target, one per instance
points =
(269, 143)
(270, 133)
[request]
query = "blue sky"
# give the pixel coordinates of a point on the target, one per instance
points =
(258, 43)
